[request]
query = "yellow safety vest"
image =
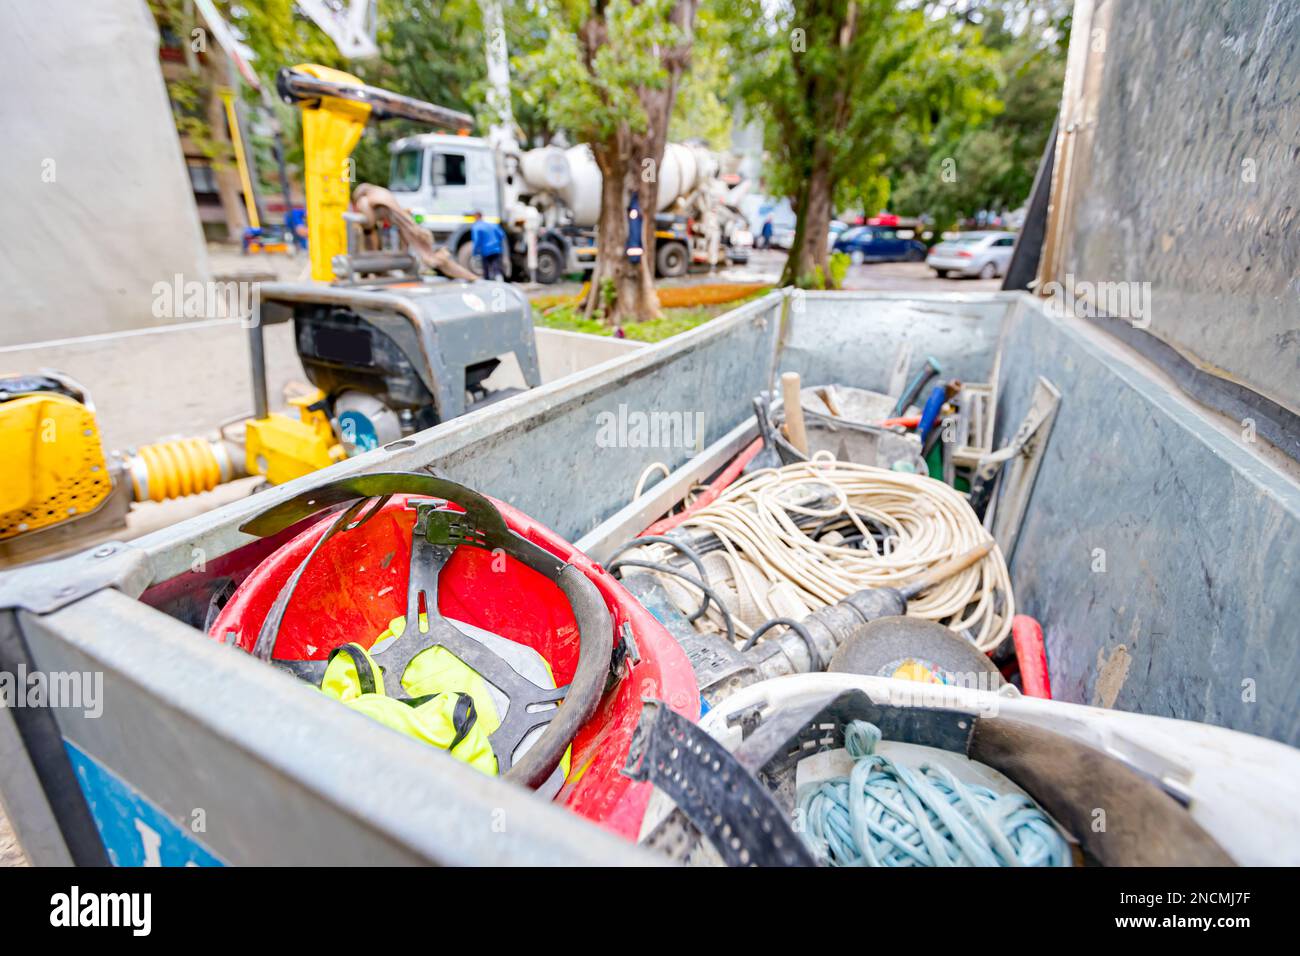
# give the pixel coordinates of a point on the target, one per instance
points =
(450, 706)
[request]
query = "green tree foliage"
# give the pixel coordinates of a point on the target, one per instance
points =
(609, 77)
(703, 109)
(586, 77)
(958, 168)
(838, 84)
(432, 52)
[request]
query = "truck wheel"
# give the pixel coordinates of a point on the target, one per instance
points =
(672, 260)
(465, 256)
(550, 264)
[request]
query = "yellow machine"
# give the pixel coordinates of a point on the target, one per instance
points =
(55, 468)
(331, 127)
(335, 109)
(281, 448)
(57, 482)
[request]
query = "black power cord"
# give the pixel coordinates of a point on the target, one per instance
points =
(690, 579)
(814, 658)
(686, 551)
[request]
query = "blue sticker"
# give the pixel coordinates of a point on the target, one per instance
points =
(361, 429)
(134, 831)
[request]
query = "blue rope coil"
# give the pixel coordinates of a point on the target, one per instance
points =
(888, 814)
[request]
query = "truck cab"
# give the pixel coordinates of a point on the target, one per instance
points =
(442, 179)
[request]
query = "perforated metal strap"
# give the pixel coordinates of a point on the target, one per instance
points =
(715, 795)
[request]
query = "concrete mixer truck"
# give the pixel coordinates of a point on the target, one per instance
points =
(548, 202)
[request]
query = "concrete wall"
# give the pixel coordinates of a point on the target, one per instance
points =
(98, 206)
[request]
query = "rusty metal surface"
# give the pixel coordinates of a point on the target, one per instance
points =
(1184, 172)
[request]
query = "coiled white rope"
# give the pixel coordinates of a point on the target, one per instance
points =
(887, 814)
(927, 520)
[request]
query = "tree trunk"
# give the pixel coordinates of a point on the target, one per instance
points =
(808, 264)
(611, 230)
(809, 252)
(631, 164)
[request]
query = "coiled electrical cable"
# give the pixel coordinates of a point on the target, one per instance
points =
(920, 521)
(889, 814)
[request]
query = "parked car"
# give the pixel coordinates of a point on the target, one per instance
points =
(878, 244)
(983, 254)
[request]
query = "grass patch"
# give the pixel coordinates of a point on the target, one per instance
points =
(563, 312)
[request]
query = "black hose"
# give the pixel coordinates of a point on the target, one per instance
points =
(923, 377)
(814, 658)
(688, 552)
(689, 579)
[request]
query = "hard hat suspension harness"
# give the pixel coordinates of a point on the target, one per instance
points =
(438, 531)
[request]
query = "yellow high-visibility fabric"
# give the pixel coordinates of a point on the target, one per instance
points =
(433, 721)
(434, 671)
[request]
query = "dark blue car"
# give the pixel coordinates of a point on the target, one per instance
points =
(878, 244)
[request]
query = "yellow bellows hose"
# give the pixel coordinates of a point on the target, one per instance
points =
(174, 469)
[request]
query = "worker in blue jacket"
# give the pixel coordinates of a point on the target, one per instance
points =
(489, 242)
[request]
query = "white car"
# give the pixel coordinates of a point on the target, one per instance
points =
(983, 254)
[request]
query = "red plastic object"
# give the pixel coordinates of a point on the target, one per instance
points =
(1031, 655)
(716, 487)
(357, 583)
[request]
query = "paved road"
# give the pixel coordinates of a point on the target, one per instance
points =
(765, 266)
(879, 276)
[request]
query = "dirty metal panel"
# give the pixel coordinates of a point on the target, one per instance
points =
(1184, 172)
(855, 338)
(180, 720)
(1161, 554)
